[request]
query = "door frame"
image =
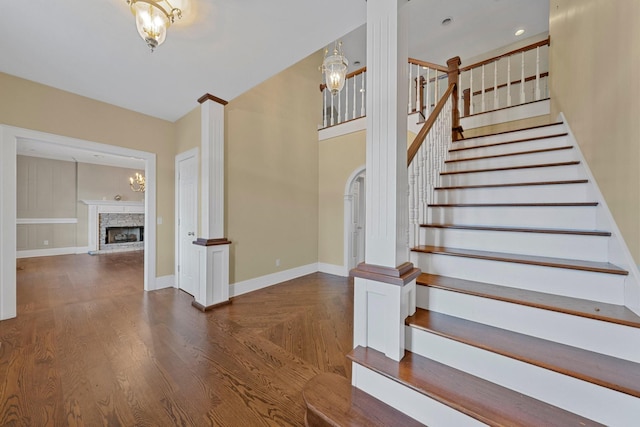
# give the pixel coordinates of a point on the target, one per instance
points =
(194, 152)
(9, 136)
(348, 208)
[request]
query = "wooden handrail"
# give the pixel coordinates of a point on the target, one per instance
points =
(419, 139)
(513, 83)
(544, 42)
(428, 64)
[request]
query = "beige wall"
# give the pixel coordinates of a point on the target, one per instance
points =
(594, 82)
(34, 106)
(271, 176)
(339, 158)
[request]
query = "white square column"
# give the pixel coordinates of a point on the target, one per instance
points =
(213, 249)
(385, 283)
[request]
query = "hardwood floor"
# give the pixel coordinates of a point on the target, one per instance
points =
(89, 347)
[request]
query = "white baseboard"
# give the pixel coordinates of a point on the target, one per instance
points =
(250, 285)
(31, 253)
(338, 270)
(163, 282)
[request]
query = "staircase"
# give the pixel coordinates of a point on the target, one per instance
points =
(521, 317)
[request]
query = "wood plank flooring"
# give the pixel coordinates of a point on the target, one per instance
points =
(89, 347)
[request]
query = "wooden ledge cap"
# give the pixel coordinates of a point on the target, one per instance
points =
(204, 309)
(211, 242)
(209, 97)
(401, 275)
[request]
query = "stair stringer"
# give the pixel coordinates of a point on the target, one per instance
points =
(619, 253)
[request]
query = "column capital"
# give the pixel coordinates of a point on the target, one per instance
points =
(209, 97)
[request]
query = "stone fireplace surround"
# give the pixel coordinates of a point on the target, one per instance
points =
(108, 213)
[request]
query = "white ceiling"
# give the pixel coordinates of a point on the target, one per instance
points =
(92, 48)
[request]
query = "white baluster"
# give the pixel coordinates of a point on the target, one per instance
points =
(339, 95)
(509, 81)
(332, 118)
(435, 89)
(362, 111)
(346, 101)
(418, 106)
(410, 89)
(461, 95)
(428, 94)
(522, 79)
(354, 96)
(495, 86)
(324, 108)
(537, 73)
(471, 91)
(484, 107)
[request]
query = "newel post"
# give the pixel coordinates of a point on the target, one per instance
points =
(453, 72)
(213, 247)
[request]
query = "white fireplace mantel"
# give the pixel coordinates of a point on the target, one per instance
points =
(96, 207)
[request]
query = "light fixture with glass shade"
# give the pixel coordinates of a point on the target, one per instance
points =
(153, 17)
(138, 183)
(334, 68)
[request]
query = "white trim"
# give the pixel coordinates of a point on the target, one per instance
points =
(112, 203)
(343, 129)
(164, 282)
(503, 115)
(337, 270)
(31, 253)
(618, 250)
(26, 221)
(194, 152)
(251, 285)
(9, 136)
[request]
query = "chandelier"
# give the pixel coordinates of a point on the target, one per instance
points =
(153, 17)
(334, 68)
(137, 183)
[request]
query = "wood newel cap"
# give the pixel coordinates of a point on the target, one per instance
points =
(454, 63)
(209, 97)
(211, 242)
(401, 275)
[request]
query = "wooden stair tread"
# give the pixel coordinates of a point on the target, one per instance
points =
(513, 130)
(473, 396)
(606, 371)
(511, 205)
(597, 267)
(578, 307)
(520, 229)
(517, 153)
(513, 184)
(331, 400)
(513, 141)
(507, 168)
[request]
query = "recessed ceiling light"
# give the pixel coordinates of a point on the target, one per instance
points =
(519, 32)
(356, 62)
(446, 21)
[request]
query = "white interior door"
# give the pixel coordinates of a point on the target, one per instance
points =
(187, 210)
(357, 222)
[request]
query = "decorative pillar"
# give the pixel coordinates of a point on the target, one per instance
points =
(385, 283)
(213, 249)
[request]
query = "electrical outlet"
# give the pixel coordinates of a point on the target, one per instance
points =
(46, 243)
(278, 262)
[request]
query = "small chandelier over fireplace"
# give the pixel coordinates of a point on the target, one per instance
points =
(137, 183)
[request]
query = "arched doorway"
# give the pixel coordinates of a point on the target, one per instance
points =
(354, 219)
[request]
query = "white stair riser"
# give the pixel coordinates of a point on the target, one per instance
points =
(578, 217)
(512, 136)
(612, 339)
(604, 287)
(481, 150)
(408, 401)
(550, 173)
(559, 193)
(574, 395)
(559, 156)
(589, 248)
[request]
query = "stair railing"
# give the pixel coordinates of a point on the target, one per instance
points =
(425, 158)
(349, 103)
(425, 86)
(516, 77)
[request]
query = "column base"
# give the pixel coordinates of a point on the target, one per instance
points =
(204, 309)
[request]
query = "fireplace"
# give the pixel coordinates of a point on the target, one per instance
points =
(124, 235)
